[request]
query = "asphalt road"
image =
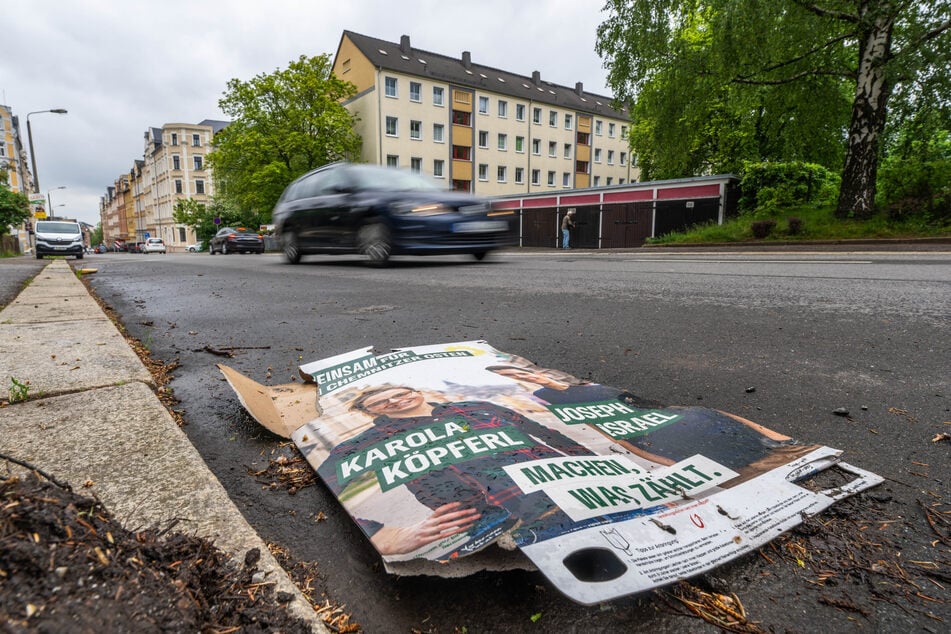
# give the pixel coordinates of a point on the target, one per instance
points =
(778, 337)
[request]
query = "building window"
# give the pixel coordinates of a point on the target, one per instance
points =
(553, 118)
(197, 160)
(597, 155)
(584, 138)
(438, 166)
(597, 127)
(503, 142)
(415, 130)
(392, 160)
(416, 164)
(390, 83)
(462, 152)
(178, 187)
(199, 186)
(623, 158)
(196, 140)
(567, 150)
(483, 105)
(536, 115)
(566, 180)
(520, 112)
(597, 181)
(483, 172)
(439, 131)
(181, 234)
(551, 178)
(174, 138)
(437, 95)
(620, 181)
(568, 121)
(520, 144)
(536, 177)
(581, 167)
(483, 139)
(459, 185)
(392, 127)
(623, 131)
(503, 109)
(552, 148)
(609, 181)
(415, 91)
(501, 174)
(611, 130)
(461, 117)
(536, 147)
(520, 175)
(176, 162)
(610, 157)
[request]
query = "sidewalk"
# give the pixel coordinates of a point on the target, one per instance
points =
(94, 418)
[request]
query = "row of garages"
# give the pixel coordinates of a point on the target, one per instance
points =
(623, 216)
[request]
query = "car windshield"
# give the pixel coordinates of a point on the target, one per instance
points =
(57, 227)
(377, 178)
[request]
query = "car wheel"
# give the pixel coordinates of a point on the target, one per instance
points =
(79, 257)
(224, 249)
(39, 256)
(373, 241)
(290, 247)
(480, 255)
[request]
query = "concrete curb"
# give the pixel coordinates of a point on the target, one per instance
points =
(100, 426)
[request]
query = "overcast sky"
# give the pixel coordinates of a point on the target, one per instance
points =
(120, 67)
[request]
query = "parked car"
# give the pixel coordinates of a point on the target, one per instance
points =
(198, 246)
(136, 247)
(153, 245)
(379, 211)
(58, 237)
(236, 240)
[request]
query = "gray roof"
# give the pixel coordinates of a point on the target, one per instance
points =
(216, 126)
(403, 58)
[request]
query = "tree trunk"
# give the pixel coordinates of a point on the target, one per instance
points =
(872, 90)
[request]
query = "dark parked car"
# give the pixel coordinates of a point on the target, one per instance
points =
(236, 240)
(379, 211)
(136, 247)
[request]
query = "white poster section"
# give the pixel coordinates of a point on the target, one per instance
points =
(440, 451)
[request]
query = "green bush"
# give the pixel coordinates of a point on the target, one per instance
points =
(909, 188)
(766, 189)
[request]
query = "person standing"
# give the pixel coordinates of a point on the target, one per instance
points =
(567, 224)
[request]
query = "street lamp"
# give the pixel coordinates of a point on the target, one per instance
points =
(29, 134)
(49, 201)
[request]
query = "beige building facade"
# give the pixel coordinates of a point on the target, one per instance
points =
(480, 129)
(15, 163)
(141, 203)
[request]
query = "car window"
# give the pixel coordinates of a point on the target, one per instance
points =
(376, 178)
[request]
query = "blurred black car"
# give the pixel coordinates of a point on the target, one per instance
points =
(236, 240)
(379, 211)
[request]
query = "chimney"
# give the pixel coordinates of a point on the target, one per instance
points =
(579, 88)
(467, 59)
(536, 77)
(404, 44)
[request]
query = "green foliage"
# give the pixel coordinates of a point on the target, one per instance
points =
(18, 390)
(284, 124)
(911, 187)
(768, 189)
(714, 84)
(95, 237)
(14, 208)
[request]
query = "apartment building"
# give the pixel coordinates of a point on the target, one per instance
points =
(481, 129)
(173, 168)
(14, 162)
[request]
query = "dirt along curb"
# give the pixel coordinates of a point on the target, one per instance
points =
(83, 410)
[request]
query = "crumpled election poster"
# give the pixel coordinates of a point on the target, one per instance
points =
(439, 451)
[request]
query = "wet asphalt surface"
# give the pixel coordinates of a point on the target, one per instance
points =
(780, 338)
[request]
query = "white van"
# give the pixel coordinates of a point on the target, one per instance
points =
(58, 237)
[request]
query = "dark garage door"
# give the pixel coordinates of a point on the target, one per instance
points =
(676, 215)
(540, 227)
(626, 225)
